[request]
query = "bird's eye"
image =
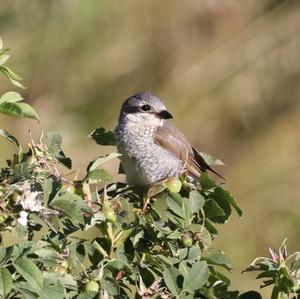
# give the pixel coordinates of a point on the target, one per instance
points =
(146, 108)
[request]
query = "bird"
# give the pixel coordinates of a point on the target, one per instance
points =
(152, 148)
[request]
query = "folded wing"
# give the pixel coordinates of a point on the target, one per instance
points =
(170, 138)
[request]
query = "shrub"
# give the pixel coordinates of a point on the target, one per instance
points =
(148, 243)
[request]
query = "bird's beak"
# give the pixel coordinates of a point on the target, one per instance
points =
(165, 114)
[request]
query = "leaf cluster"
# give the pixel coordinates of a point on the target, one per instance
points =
(280, 271)
(146, 243)
(11, 102)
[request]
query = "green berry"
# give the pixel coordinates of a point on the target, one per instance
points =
(187, 239)
(92, 286)
(174, 185)
(60, 269)
(109, 214)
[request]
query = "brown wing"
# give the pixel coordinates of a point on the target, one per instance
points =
(169, 137)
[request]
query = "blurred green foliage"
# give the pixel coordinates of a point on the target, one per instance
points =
(227, 70)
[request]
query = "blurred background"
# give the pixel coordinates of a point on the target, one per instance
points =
(228, 71)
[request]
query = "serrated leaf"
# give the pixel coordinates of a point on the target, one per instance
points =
(53, 142)
(205, 238)
(250, 295)
(123, 236)
(70, 204)
(187, 212)
(175, 235)
(26, 289)
(67, 280)
(6, 282)
(3, 58)
(216, 257)
(175, 204)
(48, 256)
(98, 162)
(50, 187)
(9, 137)
(110, 286)
(213, 210)
(14, 78)
(103, 137)
(156, 189)
(210, 227)
(52, 291)
(196, 277)
(18, 109)
(225, 195)
(296, 262)
(99, 175)
(170, 277)
(196, 201)
(206, 182)
(30, 272)
(28, 111)
(11, 97)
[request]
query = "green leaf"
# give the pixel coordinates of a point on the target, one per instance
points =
(9, 137)
(48, 256)
(205, 238)
(206, 182)
(3, 58)
(250, 295)
(101, 160)
(18, 109)
(30, 273)
(216, 257)
(53, 142)
(213, 210)
(110, 286)
(10, 109)
(224, 205)
(196, 201)
(123, 236)
(210, 160)
(52, 291)
(170, 277)
(196, 277)
(103, 137)
(50, 188)
(210, 227)
(225, 195)
(70, 204)
(14, 78)
(54, 278)
(187, 211)
(11, 97)
(296, 262)
(5, 282)
(175, 203)
(26, 289)
(99, 175)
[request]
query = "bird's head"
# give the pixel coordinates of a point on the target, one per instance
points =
(144, 109)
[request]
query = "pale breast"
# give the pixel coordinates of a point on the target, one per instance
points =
(144, 161)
